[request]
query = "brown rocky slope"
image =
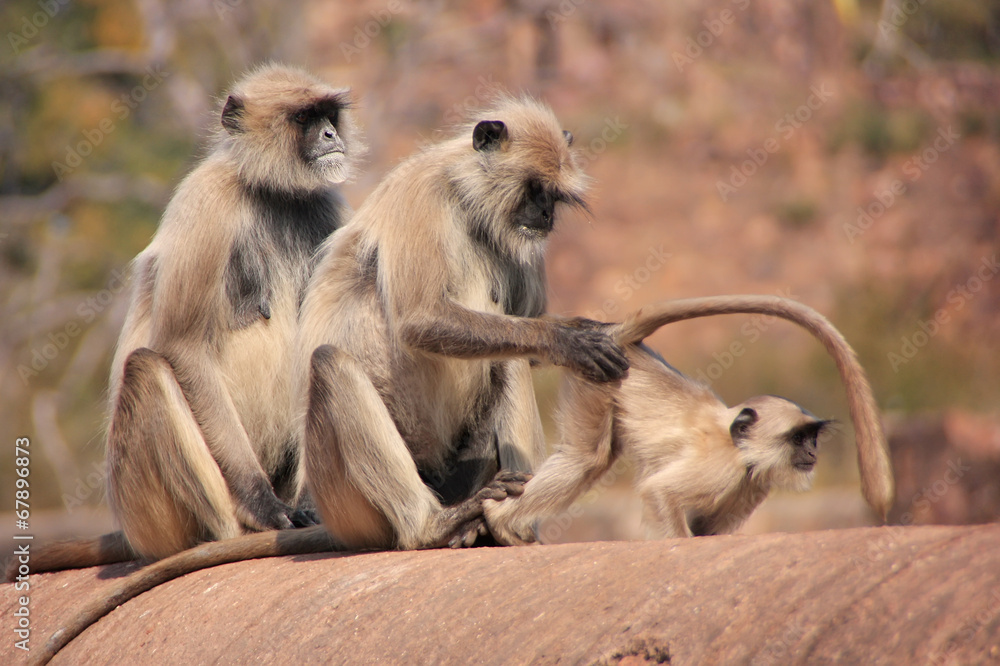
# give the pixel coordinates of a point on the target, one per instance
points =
(868, 595)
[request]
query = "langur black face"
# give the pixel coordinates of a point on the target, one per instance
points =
(318, 131)
(804, 445)
(312, 135)
(537, 212)
(778, 438)
(317, 127)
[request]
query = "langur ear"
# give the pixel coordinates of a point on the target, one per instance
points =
(232, 115)
(489, 135)
(742, 423)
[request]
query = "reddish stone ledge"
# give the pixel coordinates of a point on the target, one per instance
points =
(872, 595)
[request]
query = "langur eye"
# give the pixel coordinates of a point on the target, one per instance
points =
(334, 117)
(803, 438)
(301, 117)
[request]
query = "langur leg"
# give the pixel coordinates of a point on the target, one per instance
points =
(508, 440)
(516, 421)
(560, 481)
(165, 488)
(663, 514)
(360, 473)
(583, 456)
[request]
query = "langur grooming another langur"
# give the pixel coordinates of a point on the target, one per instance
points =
(418, 327)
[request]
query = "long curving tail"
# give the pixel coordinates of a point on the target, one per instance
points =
(877, 484)
(275, 543)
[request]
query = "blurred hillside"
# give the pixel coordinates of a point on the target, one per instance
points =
(843, 153)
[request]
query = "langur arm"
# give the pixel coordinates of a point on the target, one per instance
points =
(453, 330)
(191, 317)
(663, 507)
(227, 440)
(429, 320)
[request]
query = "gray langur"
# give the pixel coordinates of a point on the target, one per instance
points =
(701, 467)
(201, 442)
(417, 330)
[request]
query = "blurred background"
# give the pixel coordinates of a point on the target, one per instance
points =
(846, 154)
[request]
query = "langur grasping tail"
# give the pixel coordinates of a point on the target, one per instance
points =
(701, 467)
(201, 443)
(418, 327)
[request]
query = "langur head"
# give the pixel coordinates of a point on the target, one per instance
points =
(516, 171)
(287, 130)
(777, 440)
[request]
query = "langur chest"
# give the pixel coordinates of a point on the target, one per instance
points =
(257, 357)
(474, 284)
(436, 401)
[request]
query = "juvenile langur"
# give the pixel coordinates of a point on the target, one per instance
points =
(701, 467)
(418, 326)
(201, 443)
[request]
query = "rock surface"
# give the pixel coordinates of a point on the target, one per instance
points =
(871, 595)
